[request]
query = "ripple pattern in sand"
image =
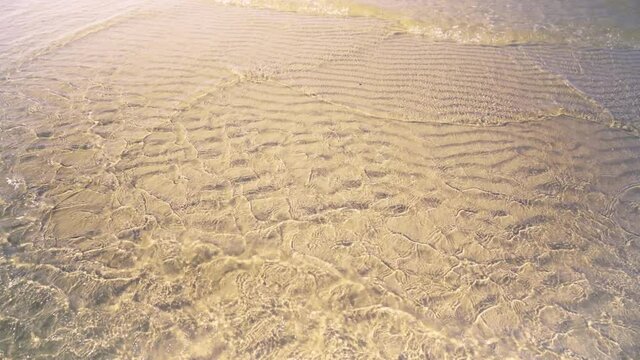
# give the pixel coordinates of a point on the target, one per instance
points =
(255, 194)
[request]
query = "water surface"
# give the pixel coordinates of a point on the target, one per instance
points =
(207, 179)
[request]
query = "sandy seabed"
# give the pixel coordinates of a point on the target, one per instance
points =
(194, 180)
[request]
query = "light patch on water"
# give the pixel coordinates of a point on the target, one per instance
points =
(314, 7)
(15, 182)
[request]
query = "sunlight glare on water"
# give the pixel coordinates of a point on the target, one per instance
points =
(325, 179)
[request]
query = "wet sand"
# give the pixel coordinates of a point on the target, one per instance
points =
(211, 180)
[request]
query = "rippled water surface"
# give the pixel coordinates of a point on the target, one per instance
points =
(284, 179)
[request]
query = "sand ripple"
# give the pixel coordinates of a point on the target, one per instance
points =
(193, 180)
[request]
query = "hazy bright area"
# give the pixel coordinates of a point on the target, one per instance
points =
(325, 179)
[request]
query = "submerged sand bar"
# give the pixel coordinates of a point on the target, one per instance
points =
(284, 180)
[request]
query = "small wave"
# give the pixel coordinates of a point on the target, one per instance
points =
(477, 27)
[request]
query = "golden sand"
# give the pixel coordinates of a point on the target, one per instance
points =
(205, 180)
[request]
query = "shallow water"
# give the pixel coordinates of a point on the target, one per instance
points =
(504, 22)
(282, 179)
